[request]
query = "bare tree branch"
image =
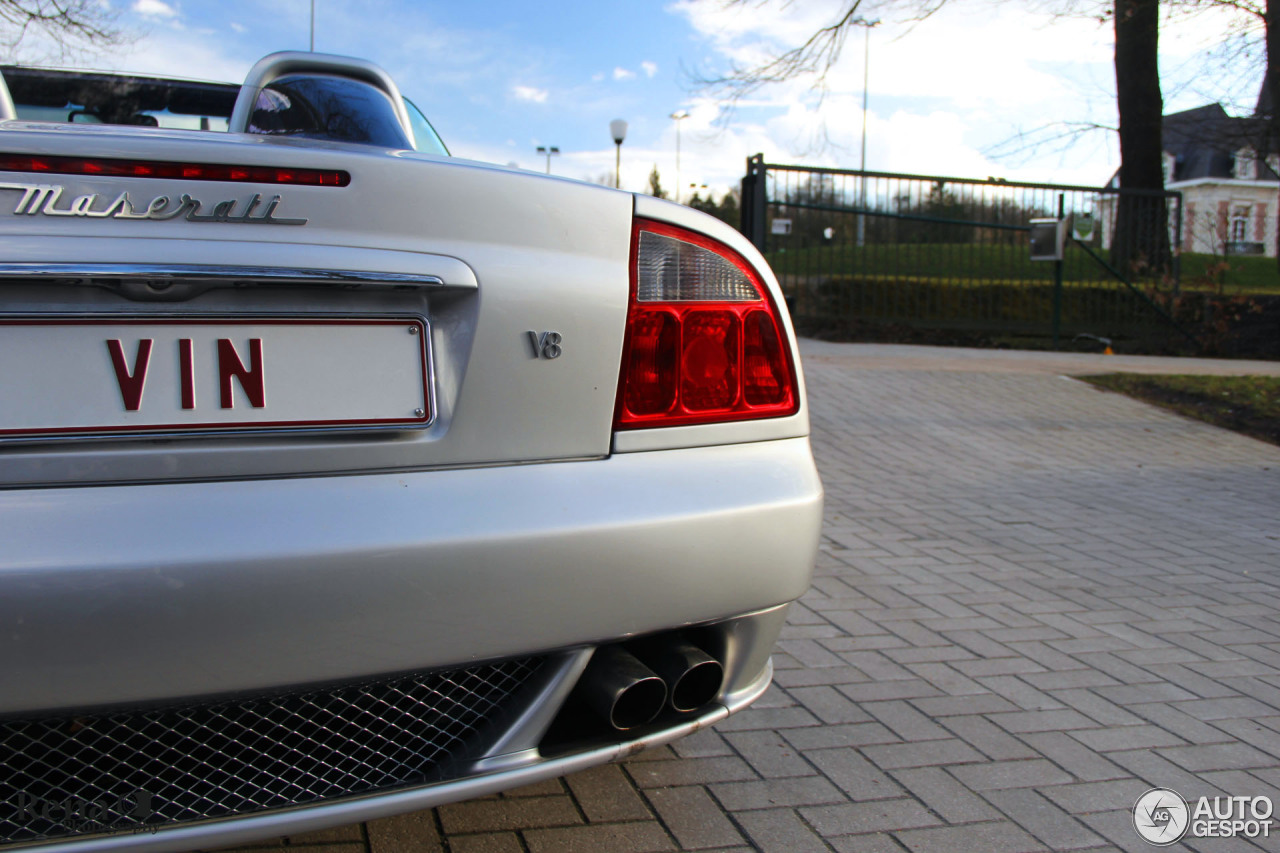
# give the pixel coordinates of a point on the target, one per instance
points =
(61, 27)
(814, 58)
(1054, 138)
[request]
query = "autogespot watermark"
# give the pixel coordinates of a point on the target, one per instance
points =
(80, 815)
(1161, 816)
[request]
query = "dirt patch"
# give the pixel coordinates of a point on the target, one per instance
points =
(1244, 404)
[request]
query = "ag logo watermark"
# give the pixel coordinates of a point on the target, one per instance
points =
(1161, 817)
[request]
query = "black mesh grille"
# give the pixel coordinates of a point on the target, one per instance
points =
(87, 775)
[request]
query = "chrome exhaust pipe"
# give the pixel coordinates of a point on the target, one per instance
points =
(693, 677)
(622, 689)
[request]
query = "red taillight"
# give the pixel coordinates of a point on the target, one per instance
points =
(704, 343)
(99, 167)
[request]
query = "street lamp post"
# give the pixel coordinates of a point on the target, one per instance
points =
(618, 129)
(548, 151)
(679, 116)
(866, 76)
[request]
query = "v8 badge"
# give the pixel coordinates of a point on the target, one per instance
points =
(545, 345)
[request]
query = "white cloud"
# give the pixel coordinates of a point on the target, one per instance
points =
(154, 9)
(240, 28)
(621, 73)
(937, 97)
(650, 68)
(597, 77)
(530, 94)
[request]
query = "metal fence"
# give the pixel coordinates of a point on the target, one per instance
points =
(859, 253)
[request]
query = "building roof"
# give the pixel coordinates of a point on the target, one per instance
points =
(1204, 142)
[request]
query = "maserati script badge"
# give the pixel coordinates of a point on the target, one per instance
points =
(43, 199)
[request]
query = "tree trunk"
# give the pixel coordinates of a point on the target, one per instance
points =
(1140, 245)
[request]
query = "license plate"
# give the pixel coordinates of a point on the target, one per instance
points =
(72, 376)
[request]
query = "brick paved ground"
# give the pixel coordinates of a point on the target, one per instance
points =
(1034, 601)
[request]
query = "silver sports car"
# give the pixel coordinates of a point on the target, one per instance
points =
(343, 478)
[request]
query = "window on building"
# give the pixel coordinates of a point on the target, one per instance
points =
(1246, 169)
(1273, 163)
(1240, 223)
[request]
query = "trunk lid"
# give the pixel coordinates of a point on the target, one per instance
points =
(481, 256)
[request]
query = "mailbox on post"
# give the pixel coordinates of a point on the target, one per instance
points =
(1048, 239)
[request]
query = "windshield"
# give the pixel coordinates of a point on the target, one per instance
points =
(424, 135)
(92, 98)
(86, 97)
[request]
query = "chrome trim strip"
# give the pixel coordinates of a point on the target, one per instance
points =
(218, 273)
(241, 830)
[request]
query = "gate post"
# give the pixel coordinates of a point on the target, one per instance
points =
(1057, 279)
(754, 201)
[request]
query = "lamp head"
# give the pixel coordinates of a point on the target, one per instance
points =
(618, 128)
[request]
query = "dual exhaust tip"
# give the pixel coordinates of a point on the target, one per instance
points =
(631, 686)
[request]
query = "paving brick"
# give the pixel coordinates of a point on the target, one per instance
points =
(780, 830)
(1188, 728)
(772, 793)
(948, 798)
(768, 754)
(1156, 771)
(948, 706)
(489, 842)
(1062, 719)
(1000, 837)
(1126, 737)
(829, 705)
(879, 842)
(1083, 763)
(1020, 693)
(694, 818)
(905, 721)
(406, 833)
(690, 771)
(947, 679)
(991, 741)
(1087, 797)
(922, 754)
(996, 775)
(599, 838)
(334, 836)
(1051, 826)
(605, 793)
(768, 718)
(885, 691)
(545, 788)
(1222, 709)
(827, 737)
(507, 814)
(853, 774)
(1224, 756)
(877, 816)
(998, 666)
(1064, 679)
(1096, 708)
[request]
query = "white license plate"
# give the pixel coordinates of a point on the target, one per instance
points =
(70, 376)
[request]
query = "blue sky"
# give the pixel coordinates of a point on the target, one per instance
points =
(499, 78)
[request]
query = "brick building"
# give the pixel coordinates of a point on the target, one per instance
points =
(1229, 176)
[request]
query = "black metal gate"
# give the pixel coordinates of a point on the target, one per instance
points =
(874, 255)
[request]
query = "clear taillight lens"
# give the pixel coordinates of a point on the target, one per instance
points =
(704, 342)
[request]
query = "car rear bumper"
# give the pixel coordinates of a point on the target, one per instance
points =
(478, 780)
(131, 595)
